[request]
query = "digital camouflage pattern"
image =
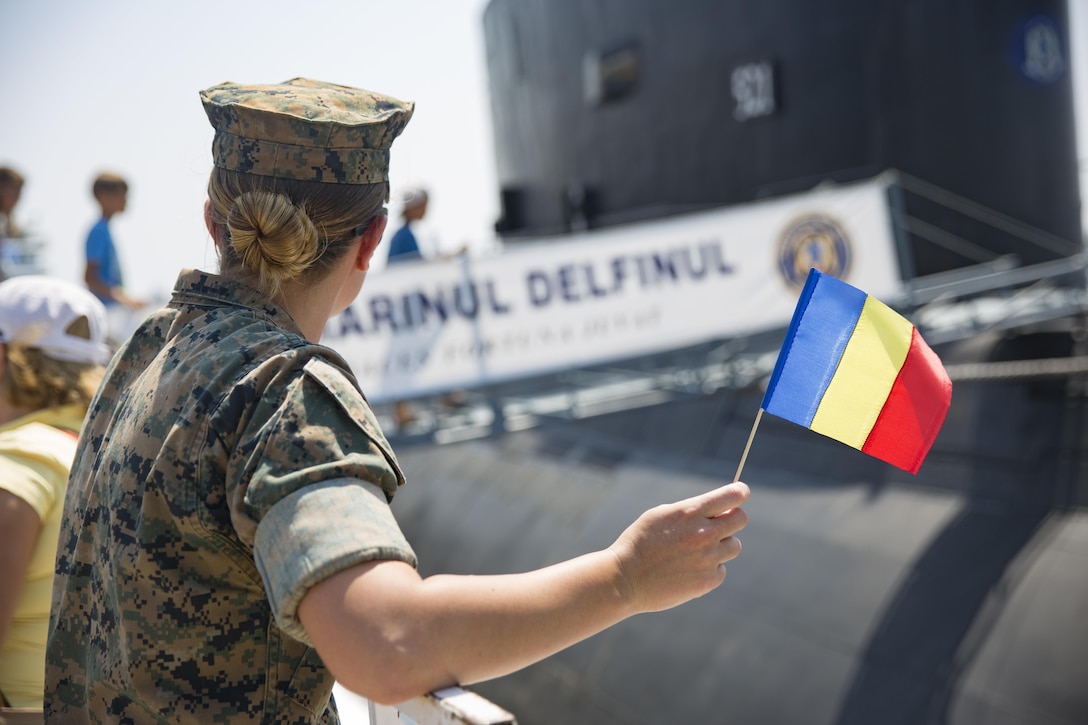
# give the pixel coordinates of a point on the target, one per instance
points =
(305, 130)
(226, 466)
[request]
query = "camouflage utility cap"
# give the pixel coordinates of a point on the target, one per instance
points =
(305, 130)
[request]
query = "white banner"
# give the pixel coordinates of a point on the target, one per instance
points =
(615, 293)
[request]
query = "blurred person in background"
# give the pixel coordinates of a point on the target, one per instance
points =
(52, 350)
(404, 246)
(102, 274)
(11, 187)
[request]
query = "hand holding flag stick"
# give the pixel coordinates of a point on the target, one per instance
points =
(853, 369)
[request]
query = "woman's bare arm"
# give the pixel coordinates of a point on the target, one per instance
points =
(390, 635)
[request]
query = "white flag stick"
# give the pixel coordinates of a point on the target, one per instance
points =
(748, 445)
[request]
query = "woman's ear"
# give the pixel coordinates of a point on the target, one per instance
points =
(368, 242)
(209, 222)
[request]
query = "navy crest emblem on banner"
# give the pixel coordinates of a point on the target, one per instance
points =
(813, 240)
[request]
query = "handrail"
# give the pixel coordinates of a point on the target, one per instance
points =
(984, 214)
(1001, 273)
(947, 240)
(449, 706)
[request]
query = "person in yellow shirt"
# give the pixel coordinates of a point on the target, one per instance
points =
(52, 352)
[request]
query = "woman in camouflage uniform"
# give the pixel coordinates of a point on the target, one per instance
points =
(228, 547)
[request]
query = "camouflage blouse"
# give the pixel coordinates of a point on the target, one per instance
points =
(227, 465)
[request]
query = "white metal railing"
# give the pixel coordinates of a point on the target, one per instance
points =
(450, 706)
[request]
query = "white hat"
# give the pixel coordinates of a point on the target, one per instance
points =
(413, 197)
(36, 311)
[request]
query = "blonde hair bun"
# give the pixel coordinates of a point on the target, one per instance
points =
(273, 237)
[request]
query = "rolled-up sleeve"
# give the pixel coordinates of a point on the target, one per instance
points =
(309, 484)
(317, 532)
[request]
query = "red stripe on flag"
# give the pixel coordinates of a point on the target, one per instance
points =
(914, 411)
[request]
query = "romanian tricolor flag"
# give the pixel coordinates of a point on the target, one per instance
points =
(854, 370)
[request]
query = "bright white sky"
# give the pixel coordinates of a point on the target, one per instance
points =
(113, 84)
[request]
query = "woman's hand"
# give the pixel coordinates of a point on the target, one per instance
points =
(676, 552)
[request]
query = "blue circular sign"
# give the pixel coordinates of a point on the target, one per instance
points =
(1038, 52)
(813, 241)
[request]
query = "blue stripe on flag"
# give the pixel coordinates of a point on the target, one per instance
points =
(822, 325)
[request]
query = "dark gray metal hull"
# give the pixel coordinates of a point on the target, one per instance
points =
(863, 595)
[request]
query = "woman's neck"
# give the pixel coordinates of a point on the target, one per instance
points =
(311, 303)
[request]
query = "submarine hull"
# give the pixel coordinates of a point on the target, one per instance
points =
(863, 594)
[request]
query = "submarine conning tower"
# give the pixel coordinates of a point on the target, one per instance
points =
(616, 111)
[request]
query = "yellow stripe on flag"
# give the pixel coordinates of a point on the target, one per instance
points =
(864, 377)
